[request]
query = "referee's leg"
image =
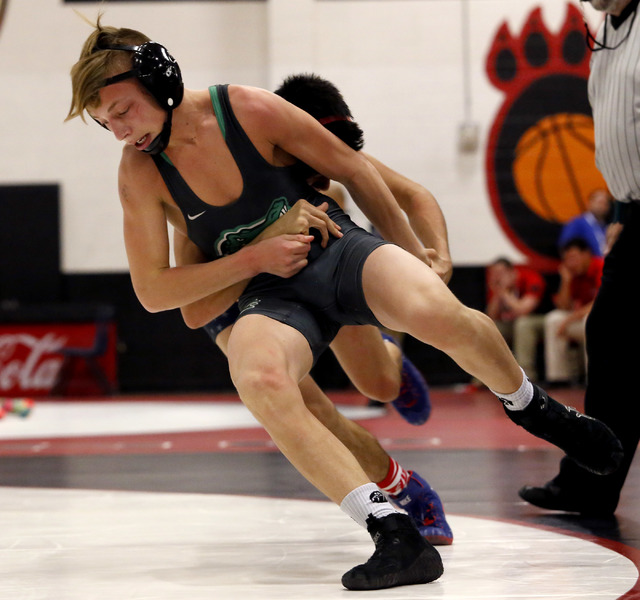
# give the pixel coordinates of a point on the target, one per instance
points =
(613, 334)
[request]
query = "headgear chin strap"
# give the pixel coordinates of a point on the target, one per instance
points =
(159, 73)
(161, 141)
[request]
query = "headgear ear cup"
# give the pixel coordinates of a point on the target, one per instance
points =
(159, 73)
(155, 69)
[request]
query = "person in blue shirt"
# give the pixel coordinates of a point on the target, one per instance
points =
(591, 226)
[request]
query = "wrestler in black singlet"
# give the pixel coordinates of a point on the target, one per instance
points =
(323, 296)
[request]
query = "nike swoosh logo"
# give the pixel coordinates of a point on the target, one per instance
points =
(194, 217)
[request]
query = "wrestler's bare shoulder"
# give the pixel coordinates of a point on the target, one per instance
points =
(136, 164)
(138, 176)
(252, 101)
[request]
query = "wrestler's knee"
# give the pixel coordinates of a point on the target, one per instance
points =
(265, 389)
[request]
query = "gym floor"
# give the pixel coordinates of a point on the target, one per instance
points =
(151, 498)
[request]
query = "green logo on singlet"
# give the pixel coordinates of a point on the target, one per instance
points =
(231, 240)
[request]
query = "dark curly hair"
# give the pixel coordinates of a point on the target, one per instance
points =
(323, 101)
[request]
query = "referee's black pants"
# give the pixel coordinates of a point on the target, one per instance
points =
(613, 370)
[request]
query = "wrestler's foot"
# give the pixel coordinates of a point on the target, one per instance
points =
(424, 507)
(18, 406)
(413, 403)
(587, 441)
(402, 557)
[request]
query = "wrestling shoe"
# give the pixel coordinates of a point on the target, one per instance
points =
(587, 441)
(424, 507)
(413, 403)
(402, 556)
(18, 406)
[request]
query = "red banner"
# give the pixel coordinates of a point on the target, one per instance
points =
(32, 356)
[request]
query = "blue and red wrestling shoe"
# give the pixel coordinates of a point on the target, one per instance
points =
(413, 403)
(424, 507)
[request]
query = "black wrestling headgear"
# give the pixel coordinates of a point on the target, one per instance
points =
(160, 75)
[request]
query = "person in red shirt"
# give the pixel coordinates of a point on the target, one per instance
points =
(514, 293)
(512, 290)
(580, 276)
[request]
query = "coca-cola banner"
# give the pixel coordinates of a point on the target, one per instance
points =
(31, 358)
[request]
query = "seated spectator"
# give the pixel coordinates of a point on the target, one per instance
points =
(580, 275)
(590, 226)
(513, 293)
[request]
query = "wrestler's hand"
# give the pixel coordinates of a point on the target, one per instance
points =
(284, 255)
(302, 217)
(440, 264)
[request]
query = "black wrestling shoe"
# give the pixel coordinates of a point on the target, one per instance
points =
(589, 442)
(402, 556)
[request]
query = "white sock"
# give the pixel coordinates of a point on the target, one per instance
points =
(364, 501)
(518, 400)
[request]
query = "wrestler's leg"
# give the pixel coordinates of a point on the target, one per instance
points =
(424, 507)
(267, 360)
(376, 365)
(406, 489)
(415, 300)
(372, 364)
(362, 444)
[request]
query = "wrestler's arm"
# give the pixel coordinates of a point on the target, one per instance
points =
(274, 124)
(425, 216)
(299, 219)
(159, 286)
(199, 313)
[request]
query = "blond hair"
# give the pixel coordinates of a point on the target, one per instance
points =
(97, 63)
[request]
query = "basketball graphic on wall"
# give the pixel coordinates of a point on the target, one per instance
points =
(548, 166)
(540, 160)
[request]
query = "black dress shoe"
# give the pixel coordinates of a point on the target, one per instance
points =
(553, 497)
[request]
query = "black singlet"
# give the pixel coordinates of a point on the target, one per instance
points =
(267, 193)
(322, 297)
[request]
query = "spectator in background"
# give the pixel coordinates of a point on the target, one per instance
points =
(580, 275)
(590, 226)
(514, 292)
